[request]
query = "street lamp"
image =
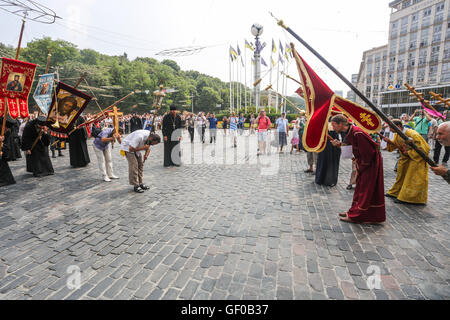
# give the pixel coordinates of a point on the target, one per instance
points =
(257, 31)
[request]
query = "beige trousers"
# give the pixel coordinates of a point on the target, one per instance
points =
(135, 168)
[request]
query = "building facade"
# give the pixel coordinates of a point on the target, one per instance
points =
(417, 53)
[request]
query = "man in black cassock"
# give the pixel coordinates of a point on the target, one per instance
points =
(6, 177)
(135, 123)
(327, 170)
(38, 160)
(12, 141)
(79, 155)
(171, 129)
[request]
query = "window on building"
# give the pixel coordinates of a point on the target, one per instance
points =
(432, 74)
(411, 59)
(435, 54)
(426, 20)
(424, 36)
(400, 78)
(447, 34)
(421, 75)
(412, 41)
(377, 68)
(404, 25)
(414, 22)
(439, 12)
(410, 77)
(394, 29)
(406, 4)
(445, 76)
(392, 64)
(437, 33)
(368, 90)
(423, 57)
(393, 47)
(402, 45)
(447, 51)
(401, 62)
(440, 7)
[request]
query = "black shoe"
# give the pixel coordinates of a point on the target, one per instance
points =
(389, 196)
(350, 187)
(60, 155)
(138, 189)
(144, 187)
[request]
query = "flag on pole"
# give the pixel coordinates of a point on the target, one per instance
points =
(320, 99)
(273, 62)
(259, 47)
(263, 62)
(238, 50)
(253, 61)
(280, 58)
(233, 53)
(242, 61)
(249, 46)
(274, 47)
(281, 48)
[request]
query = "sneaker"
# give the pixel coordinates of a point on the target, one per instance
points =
(138, 189)
(144, 187)
(114, 177)
(106, 179)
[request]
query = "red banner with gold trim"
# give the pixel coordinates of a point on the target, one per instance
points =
(16, 80)
(322, 103)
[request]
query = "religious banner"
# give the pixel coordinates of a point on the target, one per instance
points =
(67, 105)
(320, 100)
(43, 93)
(16, 79)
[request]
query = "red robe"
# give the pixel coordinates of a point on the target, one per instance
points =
(368, 201)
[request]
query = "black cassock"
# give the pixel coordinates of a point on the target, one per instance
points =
(79, 155)
(172, 153)
(328, 163)
(6, 177)
(38, 162)
(135, 124)
(12, 142)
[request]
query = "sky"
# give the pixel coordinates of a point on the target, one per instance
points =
(339, 30)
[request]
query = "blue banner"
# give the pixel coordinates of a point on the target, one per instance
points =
(43, 93)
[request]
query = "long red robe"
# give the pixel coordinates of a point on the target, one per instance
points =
(368, 201)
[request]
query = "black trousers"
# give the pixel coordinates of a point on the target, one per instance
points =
(437, 152)
(191, 132)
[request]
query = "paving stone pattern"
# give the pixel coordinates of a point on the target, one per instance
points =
(209, 231)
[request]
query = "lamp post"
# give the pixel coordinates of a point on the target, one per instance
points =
(257, 31)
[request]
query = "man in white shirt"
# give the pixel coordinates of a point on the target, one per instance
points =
(138, 141)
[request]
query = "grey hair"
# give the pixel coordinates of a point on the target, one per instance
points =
(445, 125)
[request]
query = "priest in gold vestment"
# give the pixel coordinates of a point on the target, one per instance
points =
(411, 185)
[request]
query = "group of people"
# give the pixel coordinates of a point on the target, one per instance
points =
(411, 185)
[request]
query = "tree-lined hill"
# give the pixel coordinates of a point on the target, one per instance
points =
(112, 77)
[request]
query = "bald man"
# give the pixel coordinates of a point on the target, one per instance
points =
(443, 136)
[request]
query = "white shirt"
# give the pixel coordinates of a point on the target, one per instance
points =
(136, 140)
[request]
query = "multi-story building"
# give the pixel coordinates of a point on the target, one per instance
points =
(418, 53)
(351, 95)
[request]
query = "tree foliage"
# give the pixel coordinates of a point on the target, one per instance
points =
(113, 77)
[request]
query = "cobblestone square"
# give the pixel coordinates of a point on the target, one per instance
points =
(212, 230)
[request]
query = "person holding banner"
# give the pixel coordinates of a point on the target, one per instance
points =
(368, 205)
(35, 142)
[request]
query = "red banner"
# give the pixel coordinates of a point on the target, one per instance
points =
(16, 80)
(322, 103)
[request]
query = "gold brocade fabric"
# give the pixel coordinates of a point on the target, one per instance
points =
(412, 174)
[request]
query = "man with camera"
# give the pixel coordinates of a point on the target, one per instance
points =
(421, 123)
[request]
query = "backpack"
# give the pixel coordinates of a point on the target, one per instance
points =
(95, 132)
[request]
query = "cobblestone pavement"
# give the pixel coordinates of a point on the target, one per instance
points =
(214, 231)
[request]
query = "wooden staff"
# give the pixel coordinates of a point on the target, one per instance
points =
(409, 141)
(445, 102)
(419, 97)
(98, 116)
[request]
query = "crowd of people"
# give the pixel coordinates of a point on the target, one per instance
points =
(137, 133)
